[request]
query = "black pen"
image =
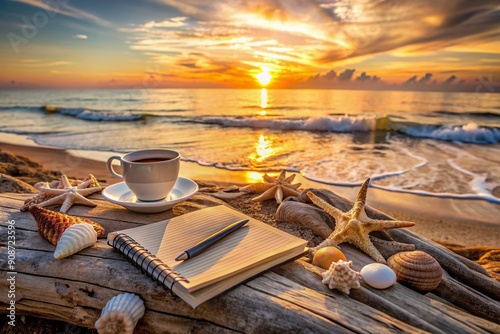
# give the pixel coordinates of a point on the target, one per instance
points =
(210, 241)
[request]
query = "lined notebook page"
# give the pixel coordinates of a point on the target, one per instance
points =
(249, 246)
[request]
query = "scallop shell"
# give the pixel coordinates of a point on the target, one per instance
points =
(120, 315)
(74, 239)
(417, 270)
(51, 225)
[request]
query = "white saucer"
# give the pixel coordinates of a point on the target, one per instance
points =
(120, 194)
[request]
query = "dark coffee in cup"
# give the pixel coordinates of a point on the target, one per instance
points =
(150, 160)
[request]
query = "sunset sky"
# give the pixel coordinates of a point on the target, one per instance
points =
(411, 45)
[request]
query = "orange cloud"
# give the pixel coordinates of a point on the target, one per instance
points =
(306, 36)
(226, 43)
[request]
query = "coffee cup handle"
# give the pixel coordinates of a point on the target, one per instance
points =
(109, 166)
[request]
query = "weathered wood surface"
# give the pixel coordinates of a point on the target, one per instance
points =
(290, 298)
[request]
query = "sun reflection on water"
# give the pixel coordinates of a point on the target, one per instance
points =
(263, 102)
(253, 177)
(263, 98)
(263, 150)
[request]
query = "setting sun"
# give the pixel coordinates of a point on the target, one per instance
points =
(264, 77)
(264, 106)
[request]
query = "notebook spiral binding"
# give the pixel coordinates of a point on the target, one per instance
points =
(134, 253)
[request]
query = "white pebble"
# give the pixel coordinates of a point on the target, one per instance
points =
(378, 275)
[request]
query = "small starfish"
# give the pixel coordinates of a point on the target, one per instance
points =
(354, 226)
(69, 195)
(278, 189)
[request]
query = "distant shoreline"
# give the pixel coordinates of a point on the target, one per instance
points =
(392, 88)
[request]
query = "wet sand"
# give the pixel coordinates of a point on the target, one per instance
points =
(457, 221)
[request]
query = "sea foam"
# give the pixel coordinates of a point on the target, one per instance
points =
(323, 124)
(468, 133)
(91, 115)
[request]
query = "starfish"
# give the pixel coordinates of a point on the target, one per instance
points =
(60, 184)
(278, 189)
(69, 195)
(354, 226)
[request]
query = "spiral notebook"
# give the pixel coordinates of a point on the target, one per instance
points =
(243, 254)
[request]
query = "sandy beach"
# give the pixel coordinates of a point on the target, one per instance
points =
(455, 221)
(460, 222)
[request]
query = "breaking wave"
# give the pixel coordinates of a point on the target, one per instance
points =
(91, 115)
(467, 133)
(323, 124)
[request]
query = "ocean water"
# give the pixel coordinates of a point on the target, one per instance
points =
(429, 143)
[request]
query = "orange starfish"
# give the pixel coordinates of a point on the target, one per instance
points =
(354, 226)
(278, 189)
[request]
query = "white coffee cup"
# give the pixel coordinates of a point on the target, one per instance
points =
(150, 174)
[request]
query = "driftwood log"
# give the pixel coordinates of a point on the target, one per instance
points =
(465, 283)
(290, 298)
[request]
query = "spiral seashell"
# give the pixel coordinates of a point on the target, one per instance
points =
(417, 270)
(51, 225)
(120, 315)
(74, 239)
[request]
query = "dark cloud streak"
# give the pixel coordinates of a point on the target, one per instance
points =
(461, 21)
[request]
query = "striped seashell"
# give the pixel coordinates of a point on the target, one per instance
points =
(39, 198)
(74, 239)
(417, 270)
(52, 224)
(95, 182)
(120, 315)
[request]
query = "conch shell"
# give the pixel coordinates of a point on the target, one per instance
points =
(74, 239)
(120, 315)
(51, 225)
(417, 270)
(340, 276)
